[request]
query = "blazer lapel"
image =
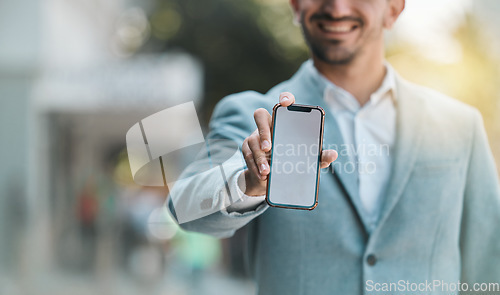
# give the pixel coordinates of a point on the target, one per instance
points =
(343, 169)
(408, 138)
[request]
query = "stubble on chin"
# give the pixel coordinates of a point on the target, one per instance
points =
(333, 56)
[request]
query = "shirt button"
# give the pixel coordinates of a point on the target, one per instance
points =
(371, 259)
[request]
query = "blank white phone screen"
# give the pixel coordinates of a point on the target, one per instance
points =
(294, 160)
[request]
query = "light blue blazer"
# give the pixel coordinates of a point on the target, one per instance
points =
(440, 220)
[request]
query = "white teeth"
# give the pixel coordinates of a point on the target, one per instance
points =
(337, 29)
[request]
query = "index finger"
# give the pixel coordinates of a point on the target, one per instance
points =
(263, 122)
(286, 99)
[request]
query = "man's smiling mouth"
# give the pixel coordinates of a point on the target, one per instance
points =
(337, 28)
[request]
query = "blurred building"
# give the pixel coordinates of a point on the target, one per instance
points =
(70, 87)
(486, 12)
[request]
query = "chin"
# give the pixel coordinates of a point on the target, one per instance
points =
(338, 56)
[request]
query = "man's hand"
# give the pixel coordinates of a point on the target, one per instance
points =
(257, 147)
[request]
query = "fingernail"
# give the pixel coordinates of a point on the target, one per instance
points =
(262, 167)
(265, 145)
(284, 98)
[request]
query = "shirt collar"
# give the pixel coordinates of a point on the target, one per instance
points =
(388, 86)
(348, 101)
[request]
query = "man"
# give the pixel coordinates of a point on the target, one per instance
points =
(427, 217)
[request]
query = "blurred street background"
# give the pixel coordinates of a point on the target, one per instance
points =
(75, 75)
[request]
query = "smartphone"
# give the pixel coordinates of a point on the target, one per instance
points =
(297, 140)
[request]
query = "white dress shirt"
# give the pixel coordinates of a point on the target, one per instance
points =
(368, 132)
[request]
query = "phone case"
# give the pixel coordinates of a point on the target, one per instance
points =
(286, 206)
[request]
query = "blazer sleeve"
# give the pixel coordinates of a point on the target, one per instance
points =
(231, 122)
(480, 229)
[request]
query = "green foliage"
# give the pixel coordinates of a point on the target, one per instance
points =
(242, 44)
